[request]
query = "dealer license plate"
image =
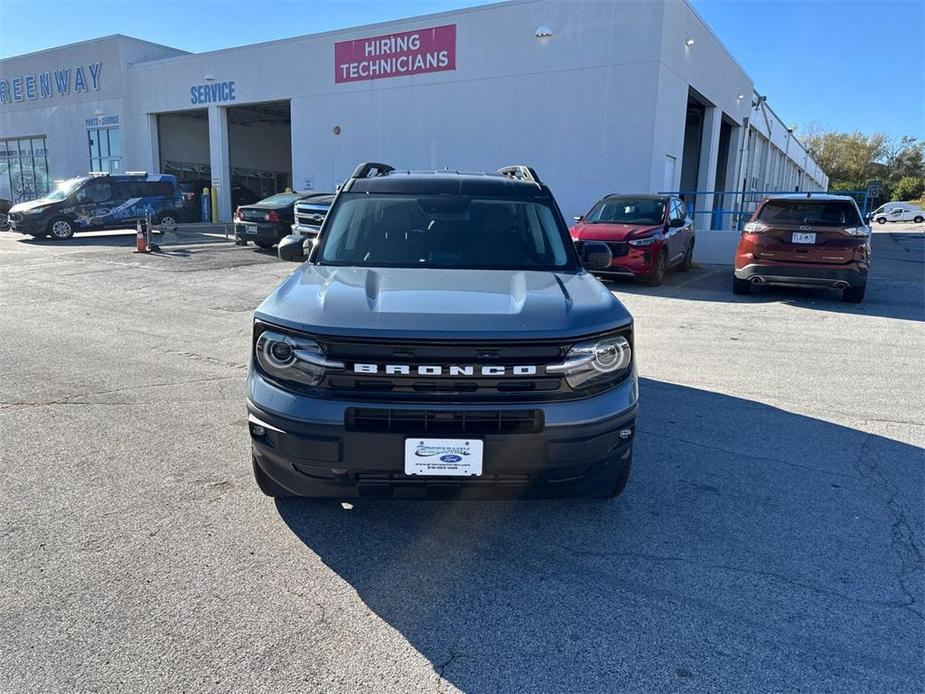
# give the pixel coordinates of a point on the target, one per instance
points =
(803, 237)
(250, 229)
(447, 457)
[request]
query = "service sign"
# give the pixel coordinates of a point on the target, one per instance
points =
(396, 55)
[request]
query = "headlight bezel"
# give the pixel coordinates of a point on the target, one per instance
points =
(583, 375)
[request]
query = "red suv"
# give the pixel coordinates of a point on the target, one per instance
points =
(647, 235)
(805, 241)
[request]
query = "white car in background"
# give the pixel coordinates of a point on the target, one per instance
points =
(898, 212)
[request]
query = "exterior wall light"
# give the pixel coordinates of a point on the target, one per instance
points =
(739, 97)
(689, 42)
(209, 77)
(543, 32)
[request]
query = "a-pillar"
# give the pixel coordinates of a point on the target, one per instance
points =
(706, 177)
(219, 160)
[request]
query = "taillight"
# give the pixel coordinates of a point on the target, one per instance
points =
(755, 228)
(271, 216)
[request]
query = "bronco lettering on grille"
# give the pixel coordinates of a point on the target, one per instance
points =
(449, 370)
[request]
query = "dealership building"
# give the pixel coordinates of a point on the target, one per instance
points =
(598, 97)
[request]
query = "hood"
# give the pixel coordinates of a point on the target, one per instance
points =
(432, 302)
(23, 206)
(612, 232)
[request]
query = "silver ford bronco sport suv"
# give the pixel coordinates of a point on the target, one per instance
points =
(442, 338)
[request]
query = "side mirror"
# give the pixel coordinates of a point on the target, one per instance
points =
(295, 248)
(595, 255)
(578, 218)
(676, 222)
(868, 217)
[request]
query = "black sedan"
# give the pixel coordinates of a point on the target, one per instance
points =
(267, 221)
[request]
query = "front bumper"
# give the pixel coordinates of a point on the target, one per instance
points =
(636, 263)
(307, 448)
(310, 232)
(804, 275)
(26, 224)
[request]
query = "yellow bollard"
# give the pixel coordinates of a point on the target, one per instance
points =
(215, 205)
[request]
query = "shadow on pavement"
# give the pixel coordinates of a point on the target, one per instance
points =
(754, 549)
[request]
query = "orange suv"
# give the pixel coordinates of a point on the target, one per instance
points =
(805, 240)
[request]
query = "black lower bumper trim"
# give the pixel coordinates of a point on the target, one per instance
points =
(814, 276)
(333, 462)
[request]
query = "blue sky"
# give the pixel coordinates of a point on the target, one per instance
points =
(845, 64)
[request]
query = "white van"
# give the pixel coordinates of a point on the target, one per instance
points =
(898, 212)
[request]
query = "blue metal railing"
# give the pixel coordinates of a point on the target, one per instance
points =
(733, 208)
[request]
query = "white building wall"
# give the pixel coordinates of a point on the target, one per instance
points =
(597, 107)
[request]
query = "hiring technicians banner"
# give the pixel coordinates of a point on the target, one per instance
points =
(395, 55)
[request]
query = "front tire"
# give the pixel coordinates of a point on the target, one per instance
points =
(741, 286)
(166, 222)
(881, 220)
(657, 275)
(919, 219)
(266, 484)
(622, 480)
(854, 295)
(60, 229)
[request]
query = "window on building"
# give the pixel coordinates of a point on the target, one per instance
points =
(105, 149)
(23, 168)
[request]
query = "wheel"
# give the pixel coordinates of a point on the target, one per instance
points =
(688, 259)
(854, 295)
(741, 286)
(61, 229)
(881, 220)
(919, 219)
(265, 245)
(622, 479)
(166, 222)
(267, 485)
(654, 278)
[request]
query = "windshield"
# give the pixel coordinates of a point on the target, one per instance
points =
(64, 189)
(824, 213)
(280, 199)
(627, 211)
(450, 231)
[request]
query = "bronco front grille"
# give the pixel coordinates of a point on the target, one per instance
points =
(444, 422)
(417, 387)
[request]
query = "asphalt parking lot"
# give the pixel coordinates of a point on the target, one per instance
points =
(771, 537)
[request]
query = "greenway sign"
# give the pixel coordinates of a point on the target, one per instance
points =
(51, 83)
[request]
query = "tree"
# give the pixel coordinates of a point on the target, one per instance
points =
(853, 160)
(909, 188)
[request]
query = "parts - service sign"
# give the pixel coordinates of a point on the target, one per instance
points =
(395, 55)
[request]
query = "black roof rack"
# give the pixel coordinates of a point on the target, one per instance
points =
(365, 169)
(521, 172)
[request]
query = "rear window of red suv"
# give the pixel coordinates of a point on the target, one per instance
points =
(823, 213)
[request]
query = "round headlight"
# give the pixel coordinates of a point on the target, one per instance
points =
(281, 352)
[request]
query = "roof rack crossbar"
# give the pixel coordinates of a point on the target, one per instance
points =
(367, 167)
(520, 172)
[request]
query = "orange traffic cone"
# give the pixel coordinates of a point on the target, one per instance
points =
(140, 245)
